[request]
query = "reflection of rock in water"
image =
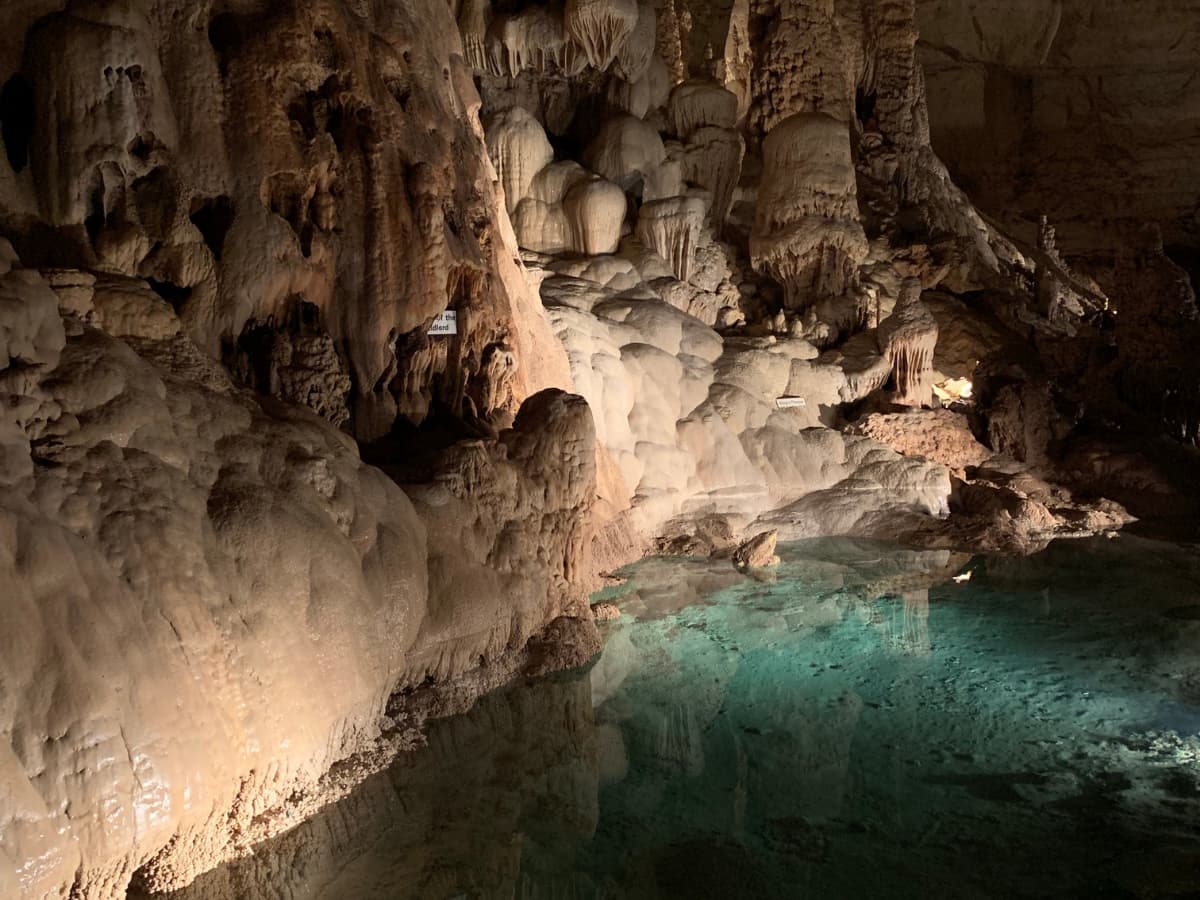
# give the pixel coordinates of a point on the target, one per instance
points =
(908, 627)
(555, 886)
(449, 820)
(809, 738)
(679, 742)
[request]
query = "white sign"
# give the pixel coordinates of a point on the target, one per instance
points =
(791, 403)
(445, 323)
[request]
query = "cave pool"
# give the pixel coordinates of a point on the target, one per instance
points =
(869, 721)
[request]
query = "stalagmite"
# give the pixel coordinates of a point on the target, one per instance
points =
(737, 65)
(626, 151)
(600, 27)
(674, 25)
(519, 150)
(638, 49)
(551, 184)
(907, 338)
(806, 231)
(713, 160)
(631, 98)
(695, 104)
(672, 229)
(595, 212)
(542, 227)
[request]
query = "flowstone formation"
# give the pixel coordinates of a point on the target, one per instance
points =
(227, 237)
(343, 345)
(747, 314)
(807, 234)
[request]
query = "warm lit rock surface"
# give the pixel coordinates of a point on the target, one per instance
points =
(758, 552)
(709, 279)
(209, 598)
(939, 435)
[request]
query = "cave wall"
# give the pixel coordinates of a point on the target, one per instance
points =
(225, 231)
(1078, 109)
(262, 163)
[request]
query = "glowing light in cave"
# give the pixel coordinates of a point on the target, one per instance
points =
(954, 390)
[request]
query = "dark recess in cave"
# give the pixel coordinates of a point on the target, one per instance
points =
(225, 34)
(16, 120)
(213, 217)
(864, 106)
(1188, 259)
(174, 294)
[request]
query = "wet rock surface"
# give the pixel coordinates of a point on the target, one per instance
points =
(342, 345)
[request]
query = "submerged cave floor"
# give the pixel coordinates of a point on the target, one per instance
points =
(860, 724)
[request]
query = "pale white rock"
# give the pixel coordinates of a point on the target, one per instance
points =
(600, 27)
(531, 39)
(517, 145)
(551, 184)
(699, 104)
(672, 228)
(626, 151)
(631, 98)
(908, 338)
(542, 227)
(712, 159)
(595, 211)
(806, 230)
(633, 59)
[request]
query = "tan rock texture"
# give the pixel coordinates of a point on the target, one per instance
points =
(684, 245)
(209, 598)
(758, 552)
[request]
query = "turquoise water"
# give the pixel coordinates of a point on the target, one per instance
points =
(860, 725)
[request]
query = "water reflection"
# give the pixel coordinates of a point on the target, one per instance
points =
(862, 726)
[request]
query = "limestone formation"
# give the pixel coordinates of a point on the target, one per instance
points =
(758, 552)
(474, 17)
(806, 230)
(699, 104)
(637, 51)
(343, 344)
(531, 39)
(600, 27)
(672, 228)
(626, 151)
(518, 148)
(907, 339)
(595, 211)
(712, 160)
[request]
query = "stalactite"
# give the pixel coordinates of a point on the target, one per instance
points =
(600, 27)
(672, 229)
(908, 338)
(806, 231)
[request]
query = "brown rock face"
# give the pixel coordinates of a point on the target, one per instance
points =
(1081, 109)
(758, 552)
(210, 597)
(294, 167)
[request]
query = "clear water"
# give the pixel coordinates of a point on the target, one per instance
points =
(862, 725)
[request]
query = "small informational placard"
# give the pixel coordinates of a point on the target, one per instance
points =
(446, 323)
(790, 403)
